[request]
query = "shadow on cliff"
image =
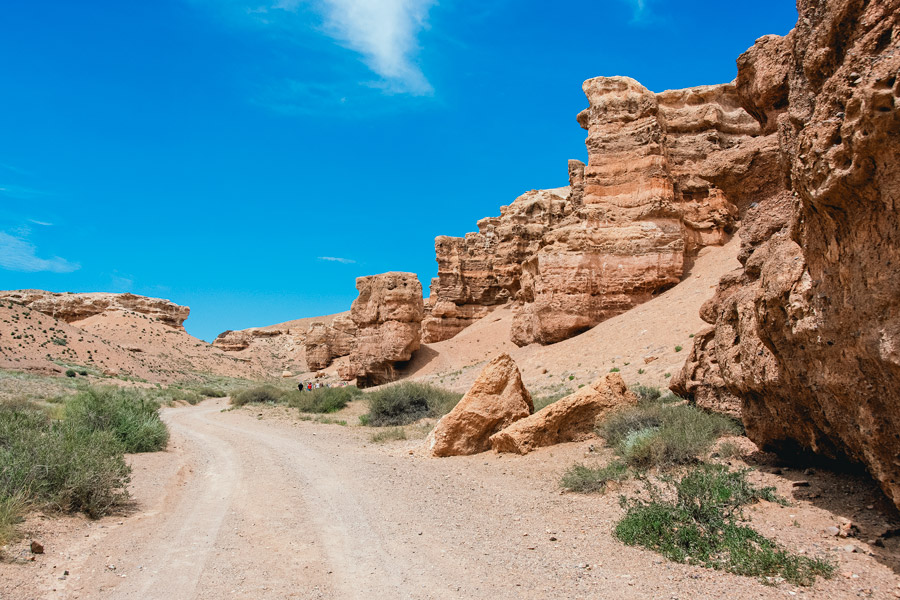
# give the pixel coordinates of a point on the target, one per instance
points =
(419, 361)
(844, 489)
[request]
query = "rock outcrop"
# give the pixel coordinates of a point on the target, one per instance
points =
(569, 419)
(667, 174)
(235, 341)
(497, 399)
(72, 307)
(807, 333)
(388, 316)
(326, 342)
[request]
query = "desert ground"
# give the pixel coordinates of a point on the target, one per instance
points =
(254, 503)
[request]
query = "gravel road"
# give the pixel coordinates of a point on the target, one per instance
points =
(253, 504)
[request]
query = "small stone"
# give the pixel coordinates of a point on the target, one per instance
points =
(801, 483)
(832, 530)
(849, 548)
(552, 539)
(809, 472)
(36, 547)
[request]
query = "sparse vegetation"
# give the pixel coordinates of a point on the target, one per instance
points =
(657, 434)
(258, 395)
(580, 478)
(678, 348)
(614, 370)
(211, 392)
(541, 402)
(322, 400)
(70, 373)
(702, 526)
(407, 402)
(388, 435)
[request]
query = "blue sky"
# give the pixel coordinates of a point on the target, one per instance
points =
(250, 159)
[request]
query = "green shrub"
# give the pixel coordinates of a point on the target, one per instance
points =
(322, 400)
(258, 395)
(646, 394)
(678, 348)
(654, 434)
(210, 392)
(130, 415)
(70, 373)
(388, 435)
(407, 402)
(12, 509)
(580, 478)
(701, 526)
(59, 464)
(614, 370)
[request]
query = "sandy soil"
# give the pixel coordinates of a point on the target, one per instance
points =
(117, 343)
(253, 503)
(641, 343)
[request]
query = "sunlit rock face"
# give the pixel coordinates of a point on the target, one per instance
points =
(807, 334)
(388, 316)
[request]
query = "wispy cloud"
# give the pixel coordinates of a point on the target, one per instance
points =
(641, 14)
(41, 223)
(337, 259)
(383, 33)
(21, 192)
(18, 254)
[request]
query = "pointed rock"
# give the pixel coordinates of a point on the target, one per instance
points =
(496, 399)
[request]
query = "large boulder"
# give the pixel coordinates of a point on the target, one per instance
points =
(388, 317)
(807, 333)
(497, 399)
(326, 342)
(567, 420)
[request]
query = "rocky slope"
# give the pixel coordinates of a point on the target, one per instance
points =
(71, 307)
(806, 333)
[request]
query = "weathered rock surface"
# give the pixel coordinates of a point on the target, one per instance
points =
(807, 334)
(325, 342)
(569, 419)
(388, 316)
(667, 174)
(497, 399)
(235, 341)
(71, 307)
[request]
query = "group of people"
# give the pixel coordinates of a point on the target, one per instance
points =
(310, 386)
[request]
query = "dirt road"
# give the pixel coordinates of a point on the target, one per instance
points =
(251, 504)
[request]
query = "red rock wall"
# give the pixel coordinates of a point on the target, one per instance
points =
(807, 334)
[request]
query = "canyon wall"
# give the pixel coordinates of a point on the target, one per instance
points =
(667, 174)
(806, 336)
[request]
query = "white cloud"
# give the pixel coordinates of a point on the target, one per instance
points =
(42, 223)
(337, 259)
(17, 254)
(385, 33)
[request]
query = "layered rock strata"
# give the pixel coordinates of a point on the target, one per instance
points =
(667, 174)
(388, 316)
(72, 307)
(235, 341)
(807, 333)
(497, 399)
(324, 342)
(569, 419)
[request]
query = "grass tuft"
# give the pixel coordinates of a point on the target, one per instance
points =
(388, 435)
(322, 400)
(580, 478)
(258, 395)
(131, 416)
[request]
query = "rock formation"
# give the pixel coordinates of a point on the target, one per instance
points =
(326, 342)
(569, 419)
(70, 307)
(235, 341)
(807, 333)
(497, 399)
(667, 174)
(388, 316)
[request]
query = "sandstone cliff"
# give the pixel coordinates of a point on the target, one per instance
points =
(667, 174)
(388, 316)
(807, 334)
(70, 307)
